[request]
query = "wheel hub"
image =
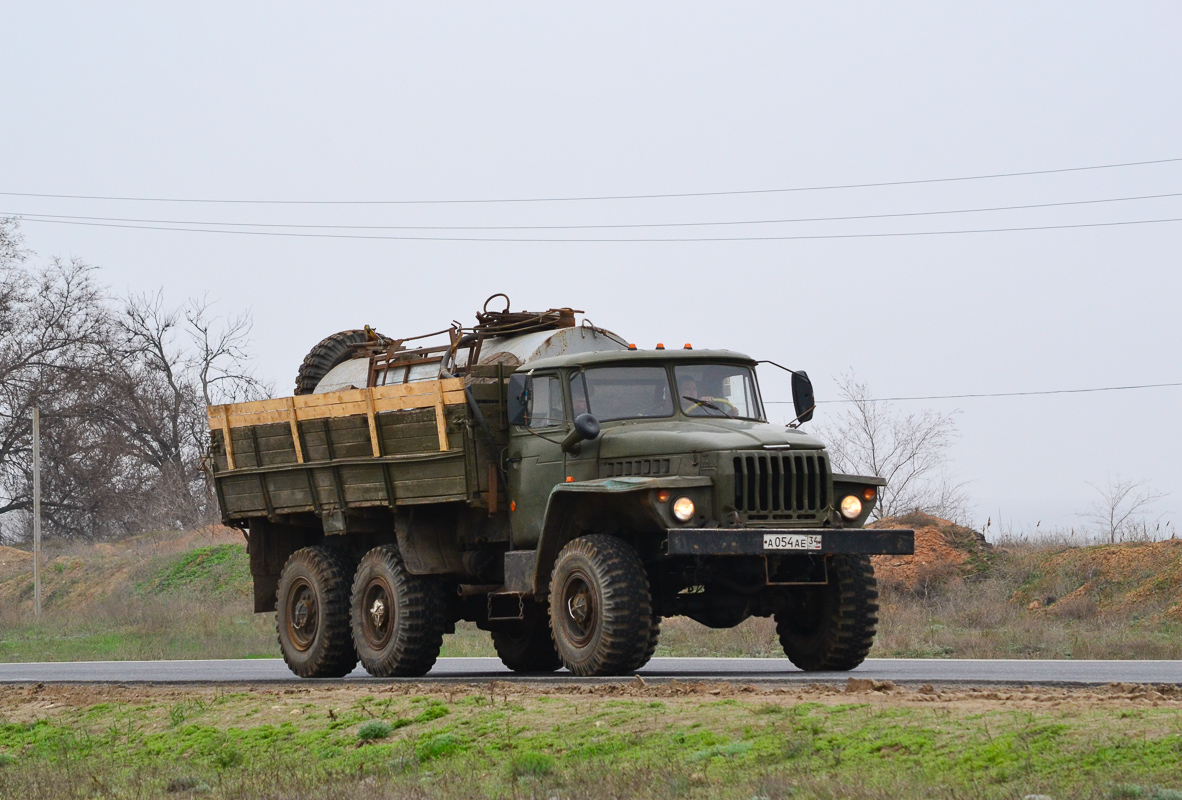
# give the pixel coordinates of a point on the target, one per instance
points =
(300, 617)
(377, 612)
(302, 612)
(582, 612)
(579, 607)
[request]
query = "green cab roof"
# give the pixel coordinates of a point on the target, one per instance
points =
(618, 357)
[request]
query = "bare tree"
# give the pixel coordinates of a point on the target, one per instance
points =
(167, 364)
(11, 251)
(122, 390)
(909, 450)
(222, 357)
(53, 327)
(1122, 509)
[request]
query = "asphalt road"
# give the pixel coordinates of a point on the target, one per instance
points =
(747, 670)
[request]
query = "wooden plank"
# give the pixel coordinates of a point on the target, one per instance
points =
(374, 441)
(295, 430)
(393, 391)
(346, 403)
(227, 440)
(440, 419)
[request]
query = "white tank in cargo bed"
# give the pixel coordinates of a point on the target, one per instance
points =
(512, 351)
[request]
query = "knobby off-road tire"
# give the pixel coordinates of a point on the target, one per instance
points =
(654, 636)
(330, 352)
(397, 618)
(831, 627)
(601, 612)
(527, 646)
(312, 614)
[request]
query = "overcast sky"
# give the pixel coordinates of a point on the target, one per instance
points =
(346, 102)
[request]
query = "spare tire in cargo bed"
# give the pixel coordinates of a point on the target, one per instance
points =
(331, 351)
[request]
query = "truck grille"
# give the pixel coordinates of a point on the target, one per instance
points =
(788, 486)
(637, 466)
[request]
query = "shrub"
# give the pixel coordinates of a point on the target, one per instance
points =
(187, 783)
(531, 764)
(1077, 606)
(432, 712)
(444, 744)
(227, 757)
(374, 729)
(6, 759)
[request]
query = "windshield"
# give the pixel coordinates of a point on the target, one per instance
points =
(717, 390)
(621, 392)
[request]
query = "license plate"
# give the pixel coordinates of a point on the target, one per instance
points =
(791, 541)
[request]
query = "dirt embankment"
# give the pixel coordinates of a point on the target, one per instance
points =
(1142, 578)
(943, 550)
(74, 574)
(1137, 578)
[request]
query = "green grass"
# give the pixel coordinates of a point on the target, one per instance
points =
(266, 743)
(219, 569)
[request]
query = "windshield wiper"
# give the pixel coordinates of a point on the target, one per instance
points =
(706, 403)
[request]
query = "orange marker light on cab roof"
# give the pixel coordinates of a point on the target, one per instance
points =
(660, 346)
(631, 347)
(688, 346)
(569, 479)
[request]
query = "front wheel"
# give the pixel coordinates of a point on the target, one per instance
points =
(831, 626)
(397, 618)
(601, 607)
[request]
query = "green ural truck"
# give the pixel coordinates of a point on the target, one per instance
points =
(552, 484)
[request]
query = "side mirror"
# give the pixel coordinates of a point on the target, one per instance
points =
(517, 398)
(586, 430)
(802, 396)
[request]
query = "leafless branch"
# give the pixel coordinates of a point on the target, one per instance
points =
(908, 449)
(1121, 510)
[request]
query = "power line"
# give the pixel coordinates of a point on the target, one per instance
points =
(602, 241)
(994, 394)
(607, 197)
(988, 209)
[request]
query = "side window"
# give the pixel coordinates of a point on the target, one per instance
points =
(578, 395)
(545, 402)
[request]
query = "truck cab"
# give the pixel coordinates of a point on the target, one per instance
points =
(729, 514)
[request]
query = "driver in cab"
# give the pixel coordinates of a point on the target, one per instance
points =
(704, 402)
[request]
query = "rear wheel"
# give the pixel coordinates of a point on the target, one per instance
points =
(312, 614)
(601, 607)
(527, 646)
(397, 618)
(831, 626)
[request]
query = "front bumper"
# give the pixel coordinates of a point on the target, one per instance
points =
(765, 541)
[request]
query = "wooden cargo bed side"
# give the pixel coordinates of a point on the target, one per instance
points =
(354, 448)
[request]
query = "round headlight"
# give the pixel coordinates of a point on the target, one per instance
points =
(851, 507)
(683, 509)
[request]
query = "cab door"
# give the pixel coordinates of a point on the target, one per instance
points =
(536, 460)
(582, 464)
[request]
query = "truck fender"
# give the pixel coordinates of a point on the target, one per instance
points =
(572, 508)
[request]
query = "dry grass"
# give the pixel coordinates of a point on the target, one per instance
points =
(148, 598)
(1035, 601)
